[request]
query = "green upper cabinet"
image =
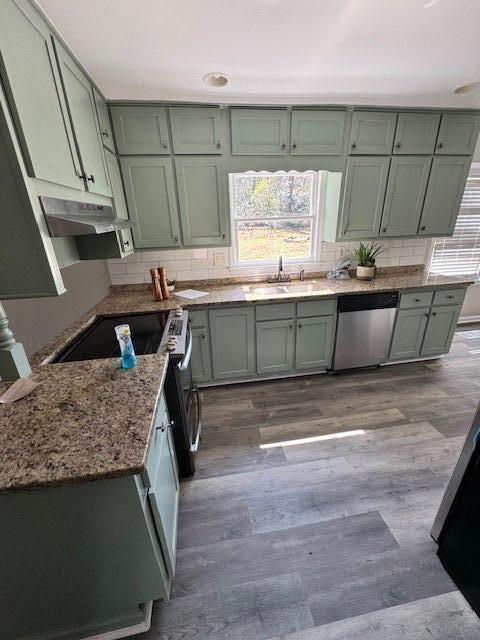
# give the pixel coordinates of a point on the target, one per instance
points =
(201, 196)
(365, 184)
(275, 345)
(150, 191)
(458, 134)
(372, 132)
(440, 329)
(407, 183)
(124, 235)
(444, 195)
(317, 133)
(314, 342)
(260, 132)
(83, 115)
(140, 130)
(408, 333)
(233, 342)
(104, 121)
(30, 76)
(416, 133)
(197, 130)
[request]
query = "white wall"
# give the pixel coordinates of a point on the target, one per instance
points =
(35, 321)
(204, 264)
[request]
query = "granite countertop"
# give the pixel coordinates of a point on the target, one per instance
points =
(85, 421)
(90, 420)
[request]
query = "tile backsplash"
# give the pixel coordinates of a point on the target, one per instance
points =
(204, 264)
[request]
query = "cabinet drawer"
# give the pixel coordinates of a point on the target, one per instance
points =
(449, 296)
(418, 299)
(160, 423)
(198, 318)
(316, 308)
(275, 311)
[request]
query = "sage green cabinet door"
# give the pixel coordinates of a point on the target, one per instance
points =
(197, 130)
(440, 329)
(151, 200)
(201, 356)
(372, 132)
(31, 79)
(416, 133)
(365, 184)
(232, 333)
(275, 344)
(119, 203)
(104, 121)
(163, 497)
(408, 333)
(201, 196)
(140, 130)
(314, 342)
(83, 115)
(407, 183)
(458, 134)
(444, 195)
(259, 132)
(317, 133)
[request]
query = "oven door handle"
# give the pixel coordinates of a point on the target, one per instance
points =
(194, 445)
(188, 354)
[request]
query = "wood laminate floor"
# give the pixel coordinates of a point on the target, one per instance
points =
(325, 540)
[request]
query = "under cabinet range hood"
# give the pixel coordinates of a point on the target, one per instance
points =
(69, 218)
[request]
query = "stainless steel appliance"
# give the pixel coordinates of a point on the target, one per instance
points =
(150, 334)
(457, 523)
(70, 218)
(364, 329)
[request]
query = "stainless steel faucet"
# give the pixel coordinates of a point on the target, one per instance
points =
(281, 276)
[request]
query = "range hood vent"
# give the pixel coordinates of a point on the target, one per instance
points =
(69, 218)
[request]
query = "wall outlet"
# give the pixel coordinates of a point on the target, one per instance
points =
(219, 260)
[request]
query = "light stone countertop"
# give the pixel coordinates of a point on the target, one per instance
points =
(90, 420)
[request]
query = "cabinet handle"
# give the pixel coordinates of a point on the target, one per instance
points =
(223, 236)
(175, 239)
(294, 145)
(440, 145)
(417, 300)
(82, 176)
(354, 145)
(105, 133)
(426, 315)
(450, 297)
(284, 145)
(422, 228)
(398, 145)
(203, 336)
(164, 144)
(384, 230)
(161, 427)
(219, 144)
(91, 178)
(290, 326)
(299, 326)
(434, 313)
(126, 243)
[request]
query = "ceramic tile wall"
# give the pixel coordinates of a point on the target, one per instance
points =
(204, 264)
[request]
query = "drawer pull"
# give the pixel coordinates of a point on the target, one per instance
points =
(434, 313)
(354, 145)
(450, 297)
(418, 299)
(426, 315)
(161, 427)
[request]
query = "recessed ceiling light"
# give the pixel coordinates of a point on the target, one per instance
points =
(215, 79)
(467, 88)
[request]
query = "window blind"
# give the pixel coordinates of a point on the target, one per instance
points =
(460, 254)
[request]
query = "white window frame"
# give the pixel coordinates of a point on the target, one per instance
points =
(317, 214)
(474, 172)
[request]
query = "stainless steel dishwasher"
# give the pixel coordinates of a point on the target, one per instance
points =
(364, 329)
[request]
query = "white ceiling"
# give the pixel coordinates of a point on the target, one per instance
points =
(397, 52)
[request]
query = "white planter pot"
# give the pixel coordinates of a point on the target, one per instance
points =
(365, 273)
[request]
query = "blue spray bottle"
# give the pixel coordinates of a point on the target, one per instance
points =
(124, 337)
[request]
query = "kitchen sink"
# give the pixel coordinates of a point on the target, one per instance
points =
(287, 290)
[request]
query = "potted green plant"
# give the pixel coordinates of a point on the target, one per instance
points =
(366, 255)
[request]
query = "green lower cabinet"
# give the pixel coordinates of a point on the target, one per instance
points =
(275, 345)
(314, 342)
(233, 343)
(408, 333)
(440, 329)
(201, 356)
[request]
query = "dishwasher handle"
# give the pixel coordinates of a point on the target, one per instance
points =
(367, 301)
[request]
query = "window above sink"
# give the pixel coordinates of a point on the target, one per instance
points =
(274, 214)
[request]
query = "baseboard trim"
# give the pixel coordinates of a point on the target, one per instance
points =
(116, 634)
(469, 319)
(279, 376)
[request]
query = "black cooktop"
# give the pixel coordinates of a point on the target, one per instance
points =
(100, 341)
